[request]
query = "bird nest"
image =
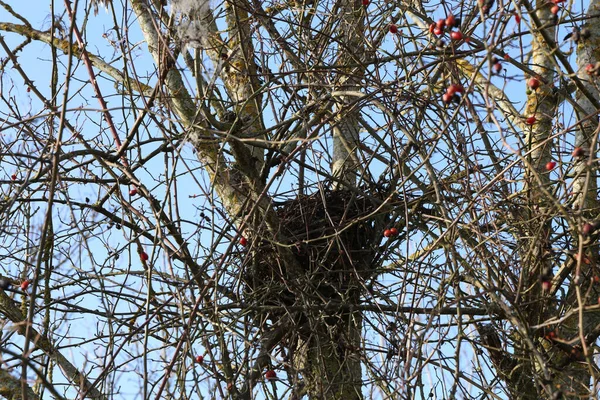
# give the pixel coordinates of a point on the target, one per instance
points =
(334, 237)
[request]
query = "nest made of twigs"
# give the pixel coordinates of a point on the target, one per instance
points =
(332, 234)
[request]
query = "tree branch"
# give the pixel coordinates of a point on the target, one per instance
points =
(10, 309)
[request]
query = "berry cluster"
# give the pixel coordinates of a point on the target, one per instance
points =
(437, 28)
(392, 232)
(452, 93)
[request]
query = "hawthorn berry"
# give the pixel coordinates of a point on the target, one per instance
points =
(243, 241)
(454, 88)
(531, 120)
(393, 29)
(13, 177)
(133, 192)
(587, 229)
(441, 24)
(438, 31)
(25, 284)
(589, 68)
(387, 233)
(578, 152)
(270, 375)
(497, 67)
(534, 83)
(144, 256)
(450, 21)
(517, 18)
(394, 232)
(555, 9)
(199, 359)
(550, 165)
(456, 35)
(365, 2)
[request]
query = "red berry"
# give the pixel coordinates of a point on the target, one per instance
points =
(531, 120)
(534, 83)
(25, 284)
(596, 279)
(551, 335)
(28, 89)
(578, 152)
(550, 165)
(587, 229)
(441, 23)
(447, 98)
(438, 31)
(455, 88)
(432, 27)
(546, 285)
(554, 10)
(456, 35)
(365, 2)
(394, 231)
(387, 233)
(230, 386)
(270, 374)
(199, 359)
(450, 21)
(497, 67)
(133, 192)
(243, 241)
(506, 57)
(589, 68)
(517, 18)
(13, 177)
(393, 29)
(143, 256)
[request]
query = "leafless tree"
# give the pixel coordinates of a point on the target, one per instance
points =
(324, 199)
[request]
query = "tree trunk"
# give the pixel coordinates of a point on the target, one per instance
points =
(328, 357)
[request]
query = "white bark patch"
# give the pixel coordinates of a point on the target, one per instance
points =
(194, 31)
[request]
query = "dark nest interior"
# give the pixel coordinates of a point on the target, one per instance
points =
(334, 235)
